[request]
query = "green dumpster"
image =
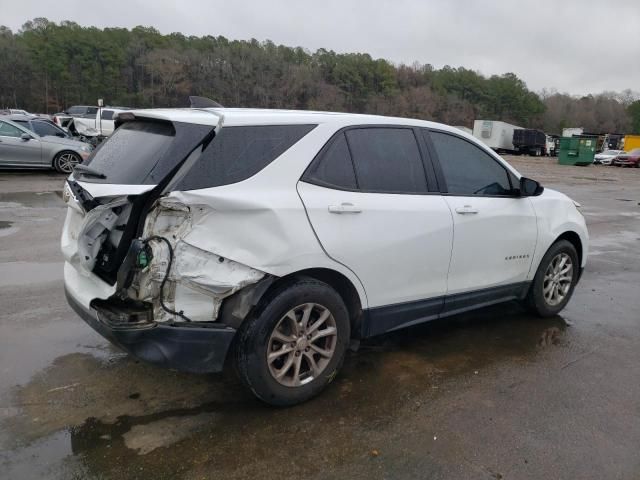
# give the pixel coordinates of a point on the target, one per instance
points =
(577, 150)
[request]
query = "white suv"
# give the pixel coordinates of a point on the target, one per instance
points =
(280, 236)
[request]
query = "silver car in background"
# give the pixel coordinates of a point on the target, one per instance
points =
(21, 147)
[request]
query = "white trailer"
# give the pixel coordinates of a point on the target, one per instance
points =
(494, 134)
(570, 132)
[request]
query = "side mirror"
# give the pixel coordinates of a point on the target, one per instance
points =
(26, 137)
(530, 188)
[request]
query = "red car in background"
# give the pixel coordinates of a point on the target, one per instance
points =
(628, 159)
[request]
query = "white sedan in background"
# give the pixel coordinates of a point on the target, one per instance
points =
(606, 157)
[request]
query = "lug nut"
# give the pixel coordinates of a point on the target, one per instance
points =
(309, 337)
(306, 349)
(297, 353)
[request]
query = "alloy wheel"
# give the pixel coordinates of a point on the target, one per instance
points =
(302, 344)
(67, 161)
(557, 279)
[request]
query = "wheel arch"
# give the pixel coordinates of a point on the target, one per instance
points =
(573, 238)
(340, 283)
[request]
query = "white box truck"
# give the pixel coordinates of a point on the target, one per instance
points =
(494, 134)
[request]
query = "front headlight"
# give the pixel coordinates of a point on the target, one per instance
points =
(86, 148)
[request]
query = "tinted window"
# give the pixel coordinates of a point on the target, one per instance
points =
(92, 110)
(46, 129)
(387, 160)
(107, 114)
(7, 130)
(76, 110)
(467, 169)
(129, 155)
(334, 168)
(237, 153)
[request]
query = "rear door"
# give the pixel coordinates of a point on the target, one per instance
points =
(494, 230)
(370, 203)
(14, 151)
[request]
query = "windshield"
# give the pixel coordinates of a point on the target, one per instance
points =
(611, 152)
(143, 152)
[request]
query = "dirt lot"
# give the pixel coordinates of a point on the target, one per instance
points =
(494, 394)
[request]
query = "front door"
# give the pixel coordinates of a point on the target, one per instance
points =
(495, 230)
(15, 151)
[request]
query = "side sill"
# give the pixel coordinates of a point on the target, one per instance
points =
(388, 318)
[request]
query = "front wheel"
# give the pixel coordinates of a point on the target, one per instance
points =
(555, 280)
(291, 348)
(65, 161)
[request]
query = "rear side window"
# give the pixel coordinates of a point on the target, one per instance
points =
(237, 153)
(467, 169)
(334, 168)
(46, 129)
(387, 160)
(107, 114)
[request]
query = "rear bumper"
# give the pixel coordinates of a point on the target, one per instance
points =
(187, 348)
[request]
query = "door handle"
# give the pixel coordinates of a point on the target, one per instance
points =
(344, 208)
(467, 209)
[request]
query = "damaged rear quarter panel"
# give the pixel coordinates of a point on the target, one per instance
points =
(198, 280)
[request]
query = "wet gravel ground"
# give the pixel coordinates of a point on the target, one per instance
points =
(493, 394)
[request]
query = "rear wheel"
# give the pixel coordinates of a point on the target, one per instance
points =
(65, 161)
(293, 346)
(555, 280)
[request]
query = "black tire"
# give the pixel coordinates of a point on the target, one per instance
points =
(536, 300)
(64, 161)
(255, 333)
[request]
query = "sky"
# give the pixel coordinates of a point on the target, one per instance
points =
(573, 46)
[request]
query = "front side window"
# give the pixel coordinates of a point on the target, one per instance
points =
(7, 130)
(387, 160)
(467, 169)
(237, 153)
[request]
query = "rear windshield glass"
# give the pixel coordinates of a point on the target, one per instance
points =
(237, 153)
(144, 152)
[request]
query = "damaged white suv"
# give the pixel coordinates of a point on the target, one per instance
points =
(273, 239)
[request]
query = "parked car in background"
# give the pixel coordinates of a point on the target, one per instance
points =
(10, 111)
(290, 233)
(21, 147)
(81, 111)
(39, 125)
(628, 159)
(99, 125)
(606, 157)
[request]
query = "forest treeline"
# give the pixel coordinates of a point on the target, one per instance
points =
(45, 67)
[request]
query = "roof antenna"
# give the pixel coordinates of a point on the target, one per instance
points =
(203, 102)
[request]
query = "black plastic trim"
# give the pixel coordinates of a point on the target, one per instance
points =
(387, 318)
(189, 348)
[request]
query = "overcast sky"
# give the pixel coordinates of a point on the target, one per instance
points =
(575, 46)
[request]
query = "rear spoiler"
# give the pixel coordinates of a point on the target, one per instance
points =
(165, 115)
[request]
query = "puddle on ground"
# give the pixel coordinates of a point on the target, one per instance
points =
(29, 273)
(7, 228)
(31, 199)
(124, 417)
